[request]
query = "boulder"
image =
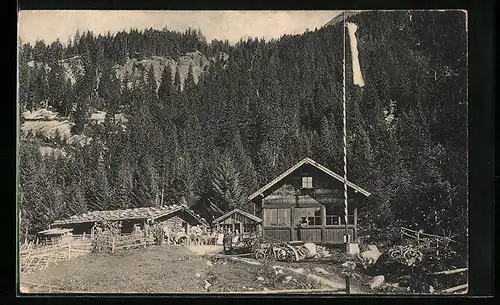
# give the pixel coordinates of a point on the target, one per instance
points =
(371, 255)
(377, 282)
(311, 249)
(322, 252)
(353, 249)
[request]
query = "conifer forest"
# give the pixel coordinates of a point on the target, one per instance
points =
(207, 123)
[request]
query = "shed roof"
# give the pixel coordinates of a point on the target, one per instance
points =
(318, 166)
(55, 231)
(136, 213)
(248, 215)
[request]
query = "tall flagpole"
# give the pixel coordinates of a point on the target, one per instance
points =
(345, 143)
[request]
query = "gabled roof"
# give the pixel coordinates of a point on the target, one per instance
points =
(55, 231)
(315, 164)
(253, 217)
(196, 216)
(137, 213)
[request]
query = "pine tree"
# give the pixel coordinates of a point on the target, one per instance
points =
(228, 192)
(151, 86)
(177, 81)
(75, 201)
(146, 188)
(81, 115)
(248, 176)
(165, 89)
(102, 191)
(123, 191)
(189, 82)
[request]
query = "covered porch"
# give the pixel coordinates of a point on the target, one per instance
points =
(318, 224)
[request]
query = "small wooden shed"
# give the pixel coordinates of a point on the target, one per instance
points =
(54, 235)
(238, 220)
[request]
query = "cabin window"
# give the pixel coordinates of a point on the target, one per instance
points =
(307, 182)
(277, 217)
(335, 216)
(307, 216)
(248, 227)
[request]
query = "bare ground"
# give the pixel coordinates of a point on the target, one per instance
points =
(170, 269)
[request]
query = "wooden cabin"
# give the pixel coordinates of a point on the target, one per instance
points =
(176, 217)
(306, 203)
(238, 220)
(54, 235)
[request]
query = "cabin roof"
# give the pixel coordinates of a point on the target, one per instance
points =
(137, 213)
(55, 231)
(248, 215)
(318, 166)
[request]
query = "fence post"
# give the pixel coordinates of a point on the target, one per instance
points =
(113, 244)
(69, 249)
(347, 284)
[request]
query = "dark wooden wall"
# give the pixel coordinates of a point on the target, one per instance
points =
(327, 194)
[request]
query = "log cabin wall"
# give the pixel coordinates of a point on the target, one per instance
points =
(318, 207)
(174, 223)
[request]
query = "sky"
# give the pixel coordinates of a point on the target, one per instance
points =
(50, 25)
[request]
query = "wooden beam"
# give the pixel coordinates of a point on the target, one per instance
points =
(323, 223)
(355, 224)
(452, 271)
(456, 288)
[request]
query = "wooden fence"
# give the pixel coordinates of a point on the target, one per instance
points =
(438, 241)
(456, 289)
(34, 257)
(112, 243)
(423, 237)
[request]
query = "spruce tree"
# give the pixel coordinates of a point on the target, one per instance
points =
(177, 80)
(228, 192)
(123, 190)
(165, 89)
(102, 193)
(75, 201)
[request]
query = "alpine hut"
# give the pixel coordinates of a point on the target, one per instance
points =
(306, 203)
(238, 220)
(176, 217)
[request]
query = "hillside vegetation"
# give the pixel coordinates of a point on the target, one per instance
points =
(244, 113)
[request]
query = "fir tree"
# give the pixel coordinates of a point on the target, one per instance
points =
(165, 89)
(228, 192)
(75, 201)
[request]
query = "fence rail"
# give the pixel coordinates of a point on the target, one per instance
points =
(455, 289)
(421, 235)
